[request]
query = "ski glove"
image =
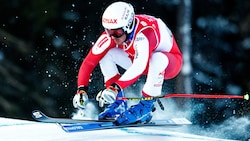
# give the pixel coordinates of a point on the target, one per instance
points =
(108, 95)
(80, 99)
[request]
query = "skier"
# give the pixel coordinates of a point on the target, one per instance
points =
(142, 45)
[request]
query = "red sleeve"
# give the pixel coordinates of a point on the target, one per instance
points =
(98, 50)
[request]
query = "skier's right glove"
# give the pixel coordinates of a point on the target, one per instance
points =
(81, 99)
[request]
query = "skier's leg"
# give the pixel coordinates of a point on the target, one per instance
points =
(142, 112)
(110, 72)
(109, 62)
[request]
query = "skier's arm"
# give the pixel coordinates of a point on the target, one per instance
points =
(140, 62)
(145, 42)
(99, 49)
(96, 53)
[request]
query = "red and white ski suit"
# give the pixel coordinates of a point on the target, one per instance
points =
(151, 51)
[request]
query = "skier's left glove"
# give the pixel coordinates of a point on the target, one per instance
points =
(81, 99)
(108, 95)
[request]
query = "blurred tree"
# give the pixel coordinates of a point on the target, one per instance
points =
(184, 80)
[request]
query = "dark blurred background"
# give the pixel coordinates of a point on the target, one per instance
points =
(43, 43)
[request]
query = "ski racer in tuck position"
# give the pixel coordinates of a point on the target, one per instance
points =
(142, 45)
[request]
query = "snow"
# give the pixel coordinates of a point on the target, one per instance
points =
(23, 130)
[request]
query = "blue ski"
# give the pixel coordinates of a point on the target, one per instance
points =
(111, 125)
(77, 125)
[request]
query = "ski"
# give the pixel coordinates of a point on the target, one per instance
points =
(78, 127)
(40, 116)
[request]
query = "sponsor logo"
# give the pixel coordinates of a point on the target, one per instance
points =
(130, 21)
(69, 128)
(127, 14)
(139, 38)
(109, 21)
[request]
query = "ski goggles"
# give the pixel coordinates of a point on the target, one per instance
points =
(117, 33)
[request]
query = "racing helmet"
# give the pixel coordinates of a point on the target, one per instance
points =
(119, 15)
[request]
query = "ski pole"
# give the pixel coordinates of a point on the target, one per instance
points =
(217, 96)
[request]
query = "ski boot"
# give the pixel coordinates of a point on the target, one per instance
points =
(113, 110)
(140, 113)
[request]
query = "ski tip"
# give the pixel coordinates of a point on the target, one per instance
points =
(36, 114)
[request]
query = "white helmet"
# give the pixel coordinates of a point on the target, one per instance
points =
(119, 15)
